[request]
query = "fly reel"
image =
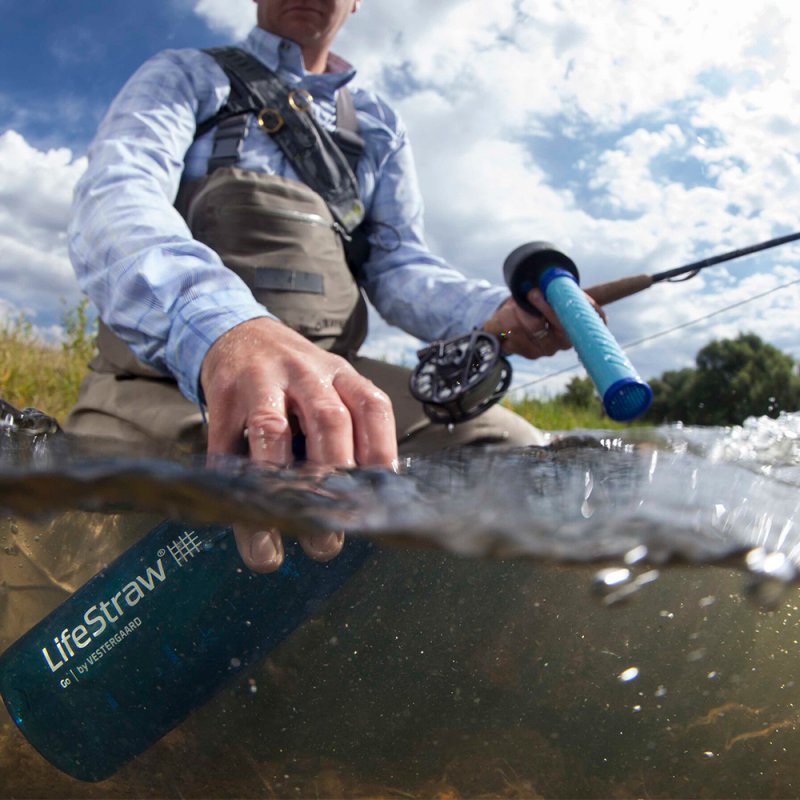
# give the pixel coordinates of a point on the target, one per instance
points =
(458, 379)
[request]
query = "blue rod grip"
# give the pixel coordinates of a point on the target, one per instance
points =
(625, 395)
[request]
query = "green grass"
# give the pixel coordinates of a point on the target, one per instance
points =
(41, 376)
(555, 414)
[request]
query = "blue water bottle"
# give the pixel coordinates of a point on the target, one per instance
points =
(152, 637)
(540, 265)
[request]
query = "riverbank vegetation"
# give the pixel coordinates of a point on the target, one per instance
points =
(733, 379)
(45, 376)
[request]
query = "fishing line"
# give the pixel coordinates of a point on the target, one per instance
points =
(660, 334)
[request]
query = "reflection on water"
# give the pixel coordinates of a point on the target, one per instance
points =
(433, 675)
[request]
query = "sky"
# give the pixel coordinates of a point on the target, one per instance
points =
(635, 136)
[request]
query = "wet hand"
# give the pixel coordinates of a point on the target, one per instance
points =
(531, 336)
(265, 378)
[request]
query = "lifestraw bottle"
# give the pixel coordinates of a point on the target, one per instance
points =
(540, 265)
(151, 638)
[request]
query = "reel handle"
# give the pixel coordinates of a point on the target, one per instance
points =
(540, 265)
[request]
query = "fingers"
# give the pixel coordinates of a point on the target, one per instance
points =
(533, 337)
(269, 433)
(598, 308)
(325, 420)
(374, 433)
(536, 299)
(226, 433)
(261, 551)
(322, 546)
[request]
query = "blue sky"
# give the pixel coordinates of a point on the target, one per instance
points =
(635, 136)
(62, 63)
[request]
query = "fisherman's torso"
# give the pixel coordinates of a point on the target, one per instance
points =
(267, 226)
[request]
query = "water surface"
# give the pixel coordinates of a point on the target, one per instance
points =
(607, 617)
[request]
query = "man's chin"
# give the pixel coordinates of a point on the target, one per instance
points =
(302, 30)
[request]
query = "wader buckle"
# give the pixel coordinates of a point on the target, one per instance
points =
(305, 104)
(273, 125)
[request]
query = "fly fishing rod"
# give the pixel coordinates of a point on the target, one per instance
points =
(605, 293)
(458, 379)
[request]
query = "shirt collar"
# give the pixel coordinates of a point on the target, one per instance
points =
(284, 55)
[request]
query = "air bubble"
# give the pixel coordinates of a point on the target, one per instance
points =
(697, 655)
(611, 578)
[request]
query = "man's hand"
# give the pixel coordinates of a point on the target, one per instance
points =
(524, 334)
(268, 379)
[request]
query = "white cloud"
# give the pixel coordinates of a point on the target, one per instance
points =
(232, 17)
(35, 196)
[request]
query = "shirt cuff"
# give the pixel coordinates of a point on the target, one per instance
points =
(198, 325)
(488, 305)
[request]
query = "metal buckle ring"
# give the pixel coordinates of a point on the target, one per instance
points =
(262, 120)
(309, 100)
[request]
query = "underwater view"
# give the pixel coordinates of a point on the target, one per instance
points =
(612, 615)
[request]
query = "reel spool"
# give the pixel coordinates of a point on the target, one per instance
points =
(458, 379)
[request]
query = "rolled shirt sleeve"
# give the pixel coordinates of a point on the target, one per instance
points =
(168, 296)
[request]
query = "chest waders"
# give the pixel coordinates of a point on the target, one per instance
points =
(299, 246)
(296, 245)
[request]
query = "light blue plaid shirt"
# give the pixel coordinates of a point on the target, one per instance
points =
(169, 296)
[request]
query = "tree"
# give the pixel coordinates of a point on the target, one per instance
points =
(734, 379)
(671, 396)
(580, 393)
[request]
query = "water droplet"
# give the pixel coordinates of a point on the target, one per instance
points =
(451, 427)
(661, 691)
(653, 465)
(236, 663)
(14, 528)
(628, 675)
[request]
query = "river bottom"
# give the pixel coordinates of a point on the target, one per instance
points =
(428, 675)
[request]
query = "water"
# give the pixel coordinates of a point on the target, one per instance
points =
(624, 623)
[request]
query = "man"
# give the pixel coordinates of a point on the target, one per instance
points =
(180, 294)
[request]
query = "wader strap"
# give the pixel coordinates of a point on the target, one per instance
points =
(228, 142)
(347, 128)
(310, 149)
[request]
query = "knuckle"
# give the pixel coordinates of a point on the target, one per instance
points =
(331, 416)
(373, 401)
(268, 423)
